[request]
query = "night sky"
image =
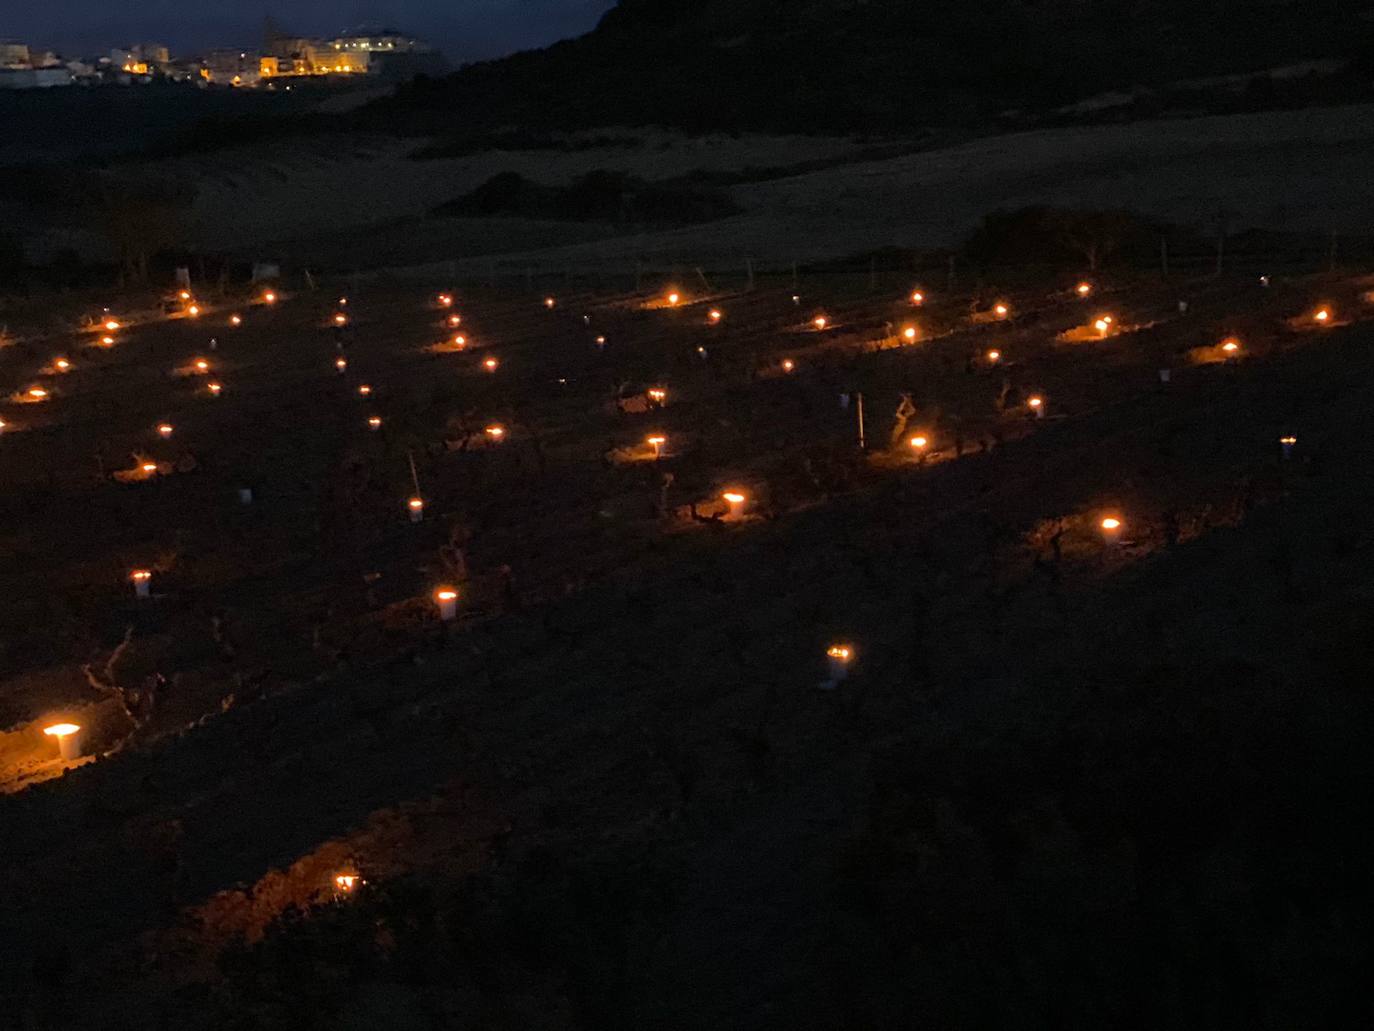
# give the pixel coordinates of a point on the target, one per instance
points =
(463, 29)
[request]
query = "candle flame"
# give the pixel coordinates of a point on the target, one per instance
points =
(734, 497)
(909, 333)
(60, 730)
(918, 442)
(236, 320)
(140, 575)
(843, 652)
(1036, 402)
(446, 594)
(415, 504)
(788, 365)
(820, 322)
(1111, 523)
(491, 364)
(270, 297)
(918, 298)
(1084, 289)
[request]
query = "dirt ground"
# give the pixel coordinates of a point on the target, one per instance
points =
(634, 680)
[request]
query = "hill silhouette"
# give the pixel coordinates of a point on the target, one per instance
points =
(869, 65)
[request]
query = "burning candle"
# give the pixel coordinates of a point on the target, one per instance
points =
(549, 303)
(214, 389)
(455, 321)
(716, 315)
(340, 319)
(236, 320)
(374, 422)
(107, 341)
(1323, 315)
(346, 883)
(193, 310)
(1103, 325)
(68, 739)
(202, 365)
(364, 389)
(111, 325)
(269, 297)
(918, 443)
(185, 295)
(460, 341)
(341, 363)
(164, 430)
(417, 509)
(657, 395)
(1001, 310)
(496, 433)
(736, 500)
(918, 298)
(674, 297)
(820, 322)
(1084, 289)
(1111, 530)
(1230, 346)
(788, 365)
(142, 580)
(1288, 443)
(37, 394)
(994, 357)
(600, 341)
(909, 334)
(656, 442)
(1037, 405)
(491, 364)
(446, 300)
(838, 657)
(447, 599)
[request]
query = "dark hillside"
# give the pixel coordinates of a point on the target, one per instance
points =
(852, 66)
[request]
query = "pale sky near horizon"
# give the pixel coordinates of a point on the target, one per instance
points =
(463, 29)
